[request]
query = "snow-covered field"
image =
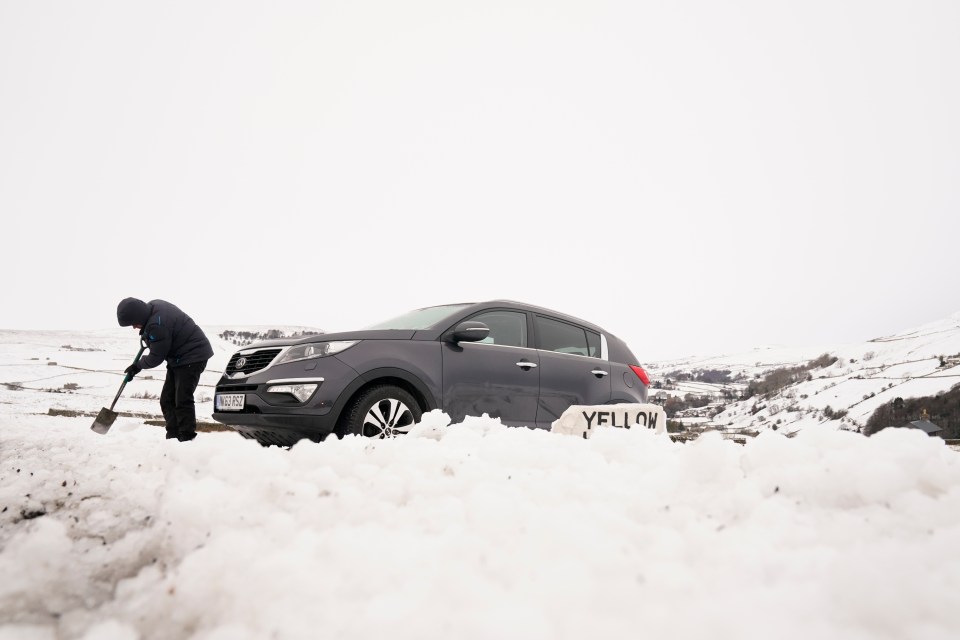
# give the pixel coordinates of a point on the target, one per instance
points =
(473, 530)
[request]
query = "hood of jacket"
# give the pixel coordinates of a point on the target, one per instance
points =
(132, 311)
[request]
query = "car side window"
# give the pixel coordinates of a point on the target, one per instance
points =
(593, 344)
(553, 335)
(507, 328)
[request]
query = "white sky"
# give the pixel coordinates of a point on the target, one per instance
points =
(693, 176)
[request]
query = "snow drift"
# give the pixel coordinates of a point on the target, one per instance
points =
(475, 530)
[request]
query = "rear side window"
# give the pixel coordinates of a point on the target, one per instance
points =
(507, 328)
(553, 335)
(593, 344)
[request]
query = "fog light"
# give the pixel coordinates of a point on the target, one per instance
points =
(301, 392)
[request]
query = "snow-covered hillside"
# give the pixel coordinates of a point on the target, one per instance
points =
(919, 362)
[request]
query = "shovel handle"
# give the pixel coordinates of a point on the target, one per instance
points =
(127, 378)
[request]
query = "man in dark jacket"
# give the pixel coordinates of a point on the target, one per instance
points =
(170, 335)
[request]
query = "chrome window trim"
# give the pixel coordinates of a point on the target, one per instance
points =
(491, 344)
(572, 355)
(604, 353)
(295, 381)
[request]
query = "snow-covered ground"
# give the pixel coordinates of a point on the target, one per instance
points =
(473, 530)
(80, 371)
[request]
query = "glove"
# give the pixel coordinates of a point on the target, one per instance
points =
(131, 371)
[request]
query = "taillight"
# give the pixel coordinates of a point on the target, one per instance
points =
(644, 378)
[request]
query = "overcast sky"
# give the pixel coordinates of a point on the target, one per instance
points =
(695, 176)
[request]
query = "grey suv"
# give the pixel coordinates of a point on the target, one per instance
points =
(513, 361)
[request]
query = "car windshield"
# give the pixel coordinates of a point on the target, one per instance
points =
(421, 318)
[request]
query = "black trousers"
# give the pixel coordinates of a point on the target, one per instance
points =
(176, 400)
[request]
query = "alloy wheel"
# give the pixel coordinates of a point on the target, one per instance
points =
(387, 418)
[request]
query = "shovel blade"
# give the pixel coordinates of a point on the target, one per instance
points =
(104, 421)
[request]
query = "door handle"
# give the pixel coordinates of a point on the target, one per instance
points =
(599, 373)
(523, 364)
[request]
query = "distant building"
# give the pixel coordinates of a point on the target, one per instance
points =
(924, 425)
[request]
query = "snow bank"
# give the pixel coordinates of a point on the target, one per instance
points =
(475, 530)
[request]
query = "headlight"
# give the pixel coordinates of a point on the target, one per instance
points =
(301, 392)
(314, 350)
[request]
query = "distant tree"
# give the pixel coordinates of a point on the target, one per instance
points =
(713, 376)
(821, 362)
(778, 379)
(696, 401)
(830, 414)
(674, 426)
(943, 410)
(673, 405)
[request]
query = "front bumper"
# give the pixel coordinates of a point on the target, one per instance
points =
(281, 430)
(279, 418)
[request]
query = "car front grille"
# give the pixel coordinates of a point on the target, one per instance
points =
(252, 362)
(236, 388)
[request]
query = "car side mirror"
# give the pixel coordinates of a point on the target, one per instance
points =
(469, 331)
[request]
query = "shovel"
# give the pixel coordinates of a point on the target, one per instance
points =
(107, 417)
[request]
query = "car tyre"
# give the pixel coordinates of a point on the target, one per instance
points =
(384, 411)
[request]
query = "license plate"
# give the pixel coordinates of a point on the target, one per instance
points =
(230, 401)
